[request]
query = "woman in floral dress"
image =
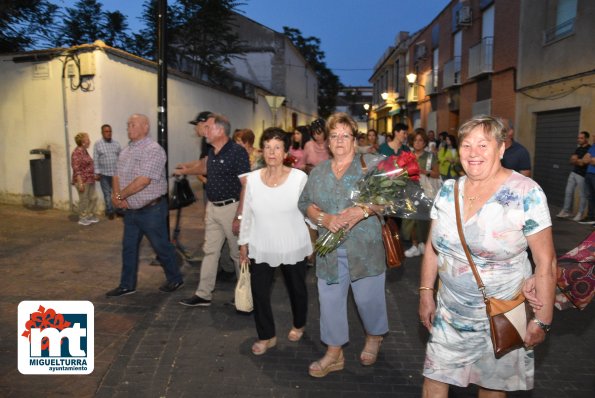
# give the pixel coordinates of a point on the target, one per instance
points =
(503, 214)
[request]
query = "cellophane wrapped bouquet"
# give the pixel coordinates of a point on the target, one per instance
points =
(390, 188)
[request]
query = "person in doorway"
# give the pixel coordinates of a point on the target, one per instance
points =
(105, 155)
(83, 178)
(576, 180)
(223, 165)
(516, 157)
(139, 188)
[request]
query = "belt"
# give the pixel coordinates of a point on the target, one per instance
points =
(224, 202)
(150, 204)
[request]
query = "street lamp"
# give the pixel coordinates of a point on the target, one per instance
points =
(411, 78)
(274, 101)
(384, 96)
(367, 107)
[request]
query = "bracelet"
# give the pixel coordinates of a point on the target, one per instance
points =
(320, 218)
(425, 288)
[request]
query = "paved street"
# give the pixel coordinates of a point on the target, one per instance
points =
(147, 345)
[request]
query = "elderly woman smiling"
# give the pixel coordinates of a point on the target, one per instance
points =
(359, 262)
(503, 213)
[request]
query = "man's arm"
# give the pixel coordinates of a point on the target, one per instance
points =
(196, 167)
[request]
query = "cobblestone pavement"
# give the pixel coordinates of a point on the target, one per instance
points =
(147, 345)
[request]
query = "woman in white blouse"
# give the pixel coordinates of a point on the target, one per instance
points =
(273, 234)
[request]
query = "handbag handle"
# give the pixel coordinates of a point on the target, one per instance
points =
(464, 244)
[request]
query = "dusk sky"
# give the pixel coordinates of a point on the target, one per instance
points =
(354, 33)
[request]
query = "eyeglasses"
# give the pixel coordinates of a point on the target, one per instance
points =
(344, 137)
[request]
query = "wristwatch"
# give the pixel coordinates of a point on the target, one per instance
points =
(365, 210)
(544, 326)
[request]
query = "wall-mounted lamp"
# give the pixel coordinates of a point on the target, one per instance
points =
(411, 78)
(367, 107)
(384, 96)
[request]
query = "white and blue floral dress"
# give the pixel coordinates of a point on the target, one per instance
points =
(459, 350)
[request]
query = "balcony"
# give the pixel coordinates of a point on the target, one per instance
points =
(431, 86)
(452, 73)
(558, 32)
(481, 57)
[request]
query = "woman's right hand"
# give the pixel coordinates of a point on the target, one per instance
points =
(427, 308)
(80, 187)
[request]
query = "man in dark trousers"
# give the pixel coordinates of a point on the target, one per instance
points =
(576, 180)
(223, 165)
(139, 189)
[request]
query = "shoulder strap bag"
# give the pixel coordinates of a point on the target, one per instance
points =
(508, 318)
(390, 234)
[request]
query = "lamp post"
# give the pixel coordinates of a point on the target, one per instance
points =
(274, 102)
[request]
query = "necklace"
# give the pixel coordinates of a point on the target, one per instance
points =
(269, 176)
(338, 168)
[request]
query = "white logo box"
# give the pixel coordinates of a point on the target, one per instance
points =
(56, 337)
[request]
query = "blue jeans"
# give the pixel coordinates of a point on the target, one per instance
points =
(106, 188)
(149, 222)
(575, 181)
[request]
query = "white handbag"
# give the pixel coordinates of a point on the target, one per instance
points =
(243, 293)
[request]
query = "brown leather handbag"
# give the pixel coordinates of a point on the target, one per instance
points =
(508, 318)
(392, 242)
(390, 234)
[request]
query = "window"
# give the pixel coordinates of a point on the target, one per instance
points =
(564, 24)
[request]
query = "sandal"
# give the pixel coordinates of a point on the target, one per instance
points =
(261, 346)
(295, 334)
(328, 363)
(369, 354)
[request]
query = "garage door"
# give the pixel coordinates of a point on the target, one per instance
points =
(555, 141)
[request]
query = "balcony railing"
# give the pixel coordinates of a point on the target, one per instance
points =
(559, 31)
(452, 73)
(481, 57)
(431, 86)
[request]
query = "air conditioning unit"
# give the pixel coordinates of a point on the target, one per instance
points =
(464, 16)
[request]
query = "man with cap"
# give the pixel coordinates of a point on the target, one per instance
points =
(223, 165)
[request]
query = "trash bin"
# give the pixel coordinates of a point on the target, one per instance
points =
(41, 172)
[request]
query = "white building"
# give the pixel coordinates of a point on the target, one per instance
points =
(51, 95)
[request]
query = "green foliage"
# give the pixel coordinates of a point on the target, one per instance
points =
(26, 24)
(328, 83)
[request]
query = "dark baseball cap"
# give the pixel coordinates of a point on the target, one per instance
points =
(201, 117)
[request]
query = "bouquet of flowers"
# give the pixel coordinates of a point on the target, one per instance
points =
(390, 188)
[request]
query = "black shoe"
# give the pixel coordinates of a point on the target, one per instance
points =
(119, 291)
(195, 301)
(169, 287)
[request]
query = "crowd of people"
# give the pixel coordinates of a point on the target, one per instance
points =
(270, 201)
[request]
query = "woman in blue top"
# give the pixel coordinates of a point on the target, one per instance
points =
(359, 262)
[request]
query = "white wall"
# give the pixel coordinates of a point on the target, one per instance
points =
(33, 111)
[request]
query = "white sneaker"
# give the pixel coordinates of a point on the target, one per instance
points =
(413, 251)
(563, 214)
(578, 217)
(92, 219)
(84, 221)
